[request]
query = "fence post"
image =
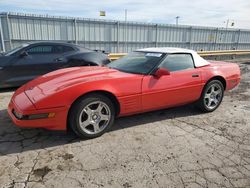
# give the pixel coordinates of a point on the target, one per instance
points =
(75, 26)
(156, 34)
(118, 35)
(216, 36)
(238, 40)
(1, 34)
(9, 31)
(190, 36)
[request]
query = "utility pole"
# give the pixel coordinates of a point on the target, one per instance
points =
(1, 35)
(177, 19)
(126, 14)
(227, 22)
(125, 37)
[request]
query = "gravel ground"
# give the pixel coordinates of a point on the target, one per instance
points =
(177, 147)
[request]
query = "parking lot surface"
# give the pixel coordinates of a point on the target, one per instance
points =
(178, 147)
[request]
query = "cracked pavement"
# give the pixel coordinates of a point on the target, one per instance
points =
(178, 147)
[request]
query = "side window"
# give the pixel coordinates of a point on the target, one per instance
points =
(62, 49)
(67, 49)
(177, 62)
(40, 49)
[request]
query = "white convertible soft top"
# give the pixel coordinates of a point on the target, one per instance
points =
(198, 60)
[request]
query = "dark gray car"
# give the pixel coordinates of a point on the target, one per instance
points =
(31, 60)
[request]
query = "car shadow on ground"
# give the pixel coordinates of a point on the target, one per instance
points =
(15, 140)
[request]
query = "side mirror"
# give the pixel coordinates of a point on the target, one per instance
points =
(161, 72)
(23, 54)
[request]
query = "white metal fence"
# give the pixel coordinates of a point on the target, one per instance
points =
(115, 36)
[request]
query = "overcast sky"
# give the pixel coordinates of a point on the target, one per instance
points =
(191, 12)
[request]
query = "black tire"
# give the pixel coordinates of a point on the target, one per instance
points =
(78, 109)
(202, 102)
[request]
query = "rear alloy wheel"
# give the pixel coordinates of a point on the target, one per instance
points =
(212, 96)
(92, 116)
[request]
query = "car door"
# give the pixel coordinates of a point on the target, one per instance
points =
(5, 62)
(33, 61)
(29, 63)
(46, 58)
(183, 85)
(61, 56)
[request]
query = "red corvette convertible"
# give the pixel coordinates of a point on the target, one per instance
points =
(87, 99)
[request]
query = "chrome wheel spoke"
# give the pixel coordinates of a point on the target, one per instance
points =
(99, 108)
(104, 117)
(84, 123)
(217, 92)
(96, 127)
(209, 102)
(207, 96)
(212, 89)
(87, 110)
(216, 101)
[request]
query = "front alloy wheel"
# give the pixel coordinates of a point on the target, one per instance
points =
(92, 115)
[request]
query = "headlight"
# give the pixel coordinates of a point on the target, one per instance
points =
(33, 116)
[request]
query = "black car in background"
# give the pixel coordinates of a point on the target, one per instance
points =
(31, 60)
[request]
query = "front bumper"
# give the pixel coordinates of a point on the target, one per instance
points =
(18, 108)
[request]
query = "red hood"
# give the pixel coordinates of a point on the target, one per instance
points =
(64, 78)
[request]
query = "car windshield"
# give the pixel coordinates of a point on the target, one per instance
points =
(15, 49)
(137, 62)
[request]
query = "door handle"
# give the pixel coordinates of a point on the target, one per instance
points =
(59, 59)
(195, 75)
